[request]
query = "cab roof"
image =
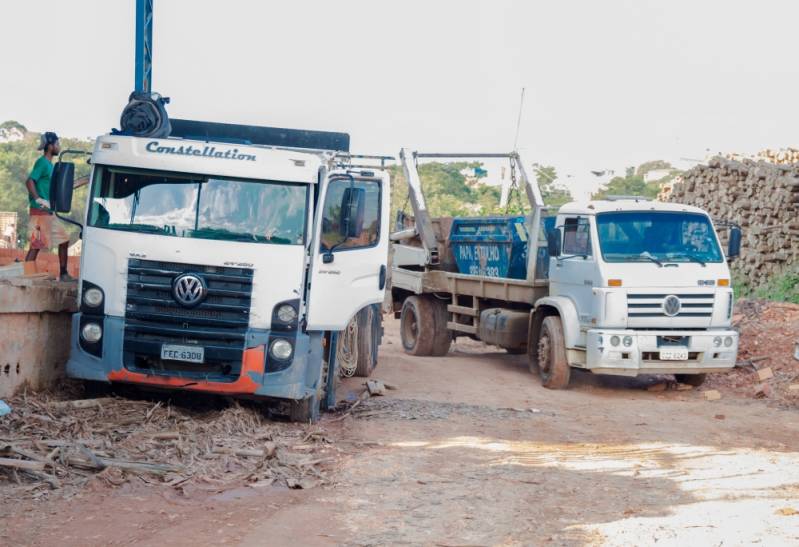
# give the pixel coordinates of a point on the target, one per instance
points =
(606, 206)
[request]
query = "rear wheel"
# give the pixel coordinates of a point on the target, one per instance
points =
(695, 380)
(442, 337)
(417, 326)
(552, 363)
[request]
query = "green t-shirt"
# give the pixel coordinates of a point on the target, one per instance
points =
(40, 175)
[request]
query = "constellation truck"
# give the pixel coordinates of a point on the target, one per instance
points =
(623, 286)
(225, 259)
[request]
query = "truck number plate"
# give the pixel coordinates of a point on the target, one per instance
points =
(674, 354)
(192, 354)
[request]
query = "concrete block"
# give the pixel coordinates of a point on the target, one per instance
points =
(36, 320)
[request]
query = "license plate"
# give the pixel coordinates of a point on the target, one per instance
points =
(674, 354)
(192, 354)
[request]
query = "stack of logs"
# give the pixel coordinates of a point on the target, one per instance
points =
(761, 196)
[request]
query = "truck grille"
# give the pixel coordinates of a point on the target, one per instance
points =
(219, 324)
(651, 305)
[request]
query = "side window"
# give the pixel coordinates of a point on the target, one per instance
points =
(576, 237)
(331, 219)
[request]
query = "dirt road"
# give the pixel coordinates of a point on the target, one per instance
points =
(470, 450)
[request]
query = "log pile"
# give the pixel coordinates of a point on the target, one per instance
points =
(761, 196)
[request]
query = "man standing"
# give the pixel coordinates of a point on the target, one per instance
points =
(43, 230)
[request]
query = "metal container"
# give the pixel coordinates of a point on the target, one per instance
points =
(490, 246)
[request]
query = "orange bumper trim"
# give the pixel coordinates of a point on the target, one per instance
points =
(253, 361)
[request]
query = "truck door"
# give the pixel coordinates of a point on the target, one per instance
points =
(348, 265)
(575, 273)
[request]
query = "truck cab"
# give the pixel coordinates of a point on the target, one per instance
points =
(640, 287)
(225, 267)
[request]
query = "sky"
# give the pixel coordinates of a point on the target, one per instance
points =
(609, 84)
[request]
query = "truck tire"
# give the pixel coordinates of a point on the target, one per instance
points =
(442, 337)
(552, 364)
(366, 339)
(695, 380)
(417, 326)
(309, 410)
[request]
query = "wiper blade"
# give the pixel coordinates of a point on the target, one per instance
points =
(692, 258)
(651, 258)
(136, 228)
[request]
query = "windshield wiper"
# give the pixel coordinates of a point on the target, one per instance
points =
(149, 228)
(692, 258)
(648, 256)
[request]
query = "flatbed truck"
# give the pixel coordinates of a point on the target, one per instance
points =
(620, 287)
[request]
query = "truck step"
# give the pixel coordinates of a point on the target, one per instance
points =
(462, 310)
(470, 329)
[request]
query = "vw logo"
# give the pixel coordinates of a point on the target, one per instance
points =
(671, 305)
(189, 290)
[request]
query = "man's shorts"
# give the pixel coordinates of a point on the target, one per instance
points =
(46, 232)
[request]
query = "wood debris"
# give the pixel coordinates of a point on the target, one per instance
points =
(48, 444)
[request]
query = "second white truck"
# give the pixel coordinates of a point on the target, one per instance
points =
(623, 287)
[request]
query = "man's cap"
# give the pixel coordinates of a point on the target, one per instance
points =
(46, 138)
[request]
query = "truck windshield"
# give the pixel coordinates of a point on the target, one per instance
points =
(198, 206)
(651, 236)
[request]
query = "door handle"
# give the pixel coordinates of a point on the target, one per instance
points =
(382, 277)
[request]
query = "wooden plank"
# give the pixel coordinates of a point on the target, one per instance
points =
(471, 329)
(462, 310)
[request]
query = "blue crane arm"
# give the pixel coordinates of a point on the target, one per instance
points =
(144, 46)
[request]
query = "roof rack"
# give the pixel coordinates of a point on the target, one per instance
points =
(267, 136)
(627, 198)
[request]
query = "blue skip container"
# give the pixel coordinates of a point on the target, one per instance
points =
(490, 246)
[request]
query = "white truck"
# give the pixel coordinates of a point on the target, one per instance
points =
(622, 287)
(225, 259)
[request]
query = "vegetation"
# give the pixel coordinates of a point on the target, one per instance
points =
(448, 192)
(782, 288)
(16, 161)
(634, 183)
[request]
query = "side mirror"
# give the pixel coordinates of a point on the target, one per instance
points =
(352, 210)
(734, 244)
(62, 182)
(553, 242)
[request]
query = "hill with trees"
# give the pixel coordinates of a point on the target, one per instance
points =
(16, 160)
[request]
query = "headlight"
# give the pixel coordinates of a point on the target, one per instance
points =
(717, 341)
(727, 341)
(93, 297)
(627, 341)
(286, 313)
(91, 332)
(281, 349)
(614, 340)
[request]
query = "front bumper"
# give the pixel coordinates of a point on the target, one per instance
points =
(643, 355)
(297, 381)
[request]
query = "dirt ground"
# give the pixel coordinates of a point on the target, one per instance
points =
(471, 450)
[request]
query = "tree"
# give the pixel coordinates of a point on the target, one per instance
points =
(554, 194)
(631, 184)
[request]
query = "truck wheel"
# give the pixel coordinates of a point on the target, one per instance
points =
(308, 410)
(417, 326)
(552, 363)
(442, 337)
(695, 380)
(366, 340)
